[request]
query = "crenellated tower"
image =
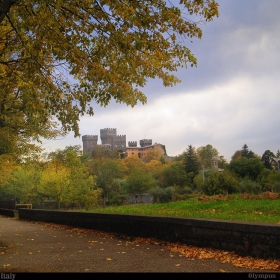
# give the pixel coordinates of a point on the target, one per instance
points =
(109, 137)
(89, 142)
(146, 142)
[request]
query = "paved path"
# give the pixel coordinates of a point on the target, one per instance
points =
(38, 247)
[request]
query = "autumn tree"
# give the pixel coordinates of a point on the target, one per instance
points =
(237, 155)
(56, 57)
(81, 184)
(24, 183)
(130, 163)
(55, 181)
(7, 165)
(153, 154)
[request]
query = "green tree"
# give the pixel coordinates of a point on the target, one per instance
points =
(56, 57)
(268, 159)
(267, 178)
(246, 167)
(107, 173)
(175, 174)
(246, 152)
(62, 154)
(205, 154)
(220, 183)
(140, 182)
(222, 163)
(191, 161)
(24, 183)
(81, 184)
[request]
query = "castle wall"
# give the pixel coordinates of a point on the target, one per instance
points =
(112, 141)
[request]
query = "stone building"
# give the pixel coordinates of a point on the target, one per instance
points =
(145, 146)
(109, 136)
(111, 141)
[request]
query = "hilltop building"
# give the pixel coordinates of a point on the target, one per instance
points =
(145, 146)
(111, 141)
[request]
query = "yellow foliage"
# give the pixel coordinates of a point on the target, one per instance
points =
(58, 56)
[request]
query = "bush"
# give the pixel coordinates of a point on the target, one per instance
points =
(248, 186)
(220, 183)
(161, 195)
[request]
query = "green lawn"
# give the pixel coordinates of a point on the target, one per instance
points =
(237, 209)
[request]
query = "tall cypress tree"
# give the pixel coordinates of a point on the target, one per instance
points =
(191, 160)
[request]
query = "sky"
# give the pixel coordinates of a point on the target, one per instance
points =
(230, 99)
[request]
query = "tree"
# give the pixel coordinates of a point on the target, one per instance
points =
(56, 57)
(55, 181)
(237, 155)
(130, 163)
(222, 162)
(246, 167)
(107, 171)
(81, 184)
(191, 160)
(153, 154)
(62, 154)
(7, 165)
(205, 153)
(267, 178)
(268, 159)
(175, 174)
(140, 182)
(246, 152)
(220, 183)
(24, 183)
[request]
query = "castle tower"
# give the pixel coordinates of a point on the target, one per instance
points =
(132, 143)
(119, 142)
(146, 142)
(89, 142)
(109, 137)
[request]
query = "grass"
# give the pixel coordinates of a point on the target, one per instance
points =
(236, 209)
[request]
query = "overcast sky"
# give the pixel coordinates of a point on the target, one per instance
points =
(230, 99)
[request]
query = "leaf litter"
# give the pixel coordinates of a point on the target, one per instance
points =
(189, 251)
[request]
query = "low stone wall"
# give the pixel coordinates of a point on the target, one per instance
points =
(7, 212)
(257, 240)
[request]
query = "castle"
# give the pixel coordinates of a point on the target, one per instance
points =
(111, 141)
